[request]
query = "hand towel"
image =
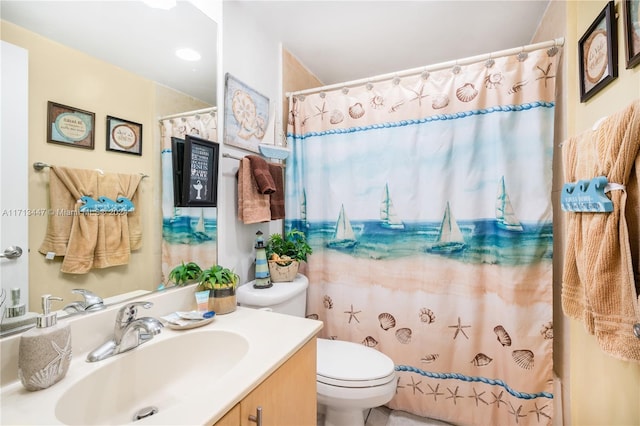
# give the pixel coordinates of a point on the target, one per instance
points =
(599, 286)
(253, 207)
(260, 171)
(113, 246)
(276, 200)
(69, 233)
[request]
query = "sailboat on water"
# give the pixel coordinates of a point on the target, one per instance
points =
(198, 231)
(450, 237)
(388, 215)
(505, 216)
(343, 236)
(303, 210)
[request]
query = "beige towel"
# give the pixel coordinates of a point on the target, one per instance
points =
(90, 240)
(66, 186)
(253, 207)
(599, 286)
(113, 245)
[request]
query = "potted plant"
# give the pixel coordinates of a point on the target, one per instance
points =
(286, 253)
(221, 283)
(185, 273)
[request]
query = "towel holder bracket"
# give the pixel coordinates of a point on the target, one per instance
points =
(586, 195)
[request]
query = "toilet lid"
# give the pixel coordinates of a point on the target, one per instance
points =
(280, 292)
(351, 364)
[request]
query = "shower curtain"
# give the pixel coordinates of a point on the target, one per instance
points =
(189, 234)
(427, 202)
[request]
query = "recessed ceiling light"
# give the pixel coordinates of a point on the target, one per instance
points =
(188, 54)
(160, 4)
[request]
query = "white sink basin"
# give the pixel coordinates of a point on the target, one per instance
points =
(158, 373)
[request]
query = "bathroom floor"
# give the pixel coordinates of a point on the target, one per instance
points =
(381, 416)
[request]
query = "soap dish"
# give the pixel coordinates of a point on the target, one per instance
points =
(177, 320)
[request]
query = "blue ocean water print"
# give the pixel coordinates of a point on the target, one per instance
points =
(473, 192)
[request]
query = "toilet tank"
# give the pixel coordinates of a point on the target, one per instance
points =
(283, 297)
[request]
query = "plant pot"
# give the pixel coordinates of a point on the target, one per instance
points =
(283, 273)
(222, 301)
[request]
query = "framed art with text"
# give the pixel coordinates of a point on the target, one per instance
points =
(70, 126)
(598, 54)
(124, 136)
(200, 172)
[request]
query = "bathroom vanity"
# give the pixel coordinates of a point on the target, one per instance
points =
(218, 374)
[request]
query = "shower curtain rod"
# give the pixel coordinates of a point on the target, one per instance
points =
(465, 61)
(184, 114)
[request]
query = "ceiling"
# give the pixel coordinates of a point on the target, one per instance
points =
(337, 40)
(130, 35)
(341, 41)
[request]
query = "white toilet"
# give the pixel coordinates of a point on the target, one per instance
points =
(351, 377)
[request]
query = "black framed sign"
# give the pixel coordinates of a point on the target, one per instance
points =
(598, 53)
(200, 172)
(632, 31)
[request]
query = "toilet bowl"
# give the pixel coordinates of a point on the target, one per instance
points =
(350, 377)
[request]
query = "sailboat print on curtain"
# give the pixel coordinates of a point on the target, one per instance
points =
(343, 236)
(505, 216)
(388, 215)
(450, 237)
(303, 210)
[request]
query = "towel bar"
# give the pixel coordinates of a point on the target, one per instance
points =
(38, 166)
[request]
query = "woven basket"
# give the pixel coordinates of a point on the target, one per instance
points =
(283, 273)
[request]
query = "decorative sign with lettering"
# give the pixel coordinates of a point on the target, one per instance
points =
(598, 51)
(70, 126)
(200, 172)
(632, 31)
(124, 136)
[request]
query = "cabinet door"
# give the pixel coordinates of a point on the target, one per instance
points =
(288, 396)
(232, 418)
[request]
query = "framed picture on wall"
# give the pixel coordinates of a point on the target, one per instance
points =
(632, 31)
(246, 115)
(200, 172)
(70, 126)
(598, 54)
(124, 136)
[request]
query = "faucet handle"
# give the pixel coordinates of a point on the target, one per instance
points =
(92, 302)
(128, 312)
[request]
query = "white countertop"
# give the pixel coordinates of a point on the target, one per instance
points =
(272, 337)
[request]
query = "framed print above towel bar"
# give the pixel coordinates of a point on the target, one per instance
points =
(70, 126)
(124, 136)
(598, 53)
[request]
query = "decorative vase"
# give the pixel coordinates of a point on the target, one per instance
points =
(223, 300)
(283, 273)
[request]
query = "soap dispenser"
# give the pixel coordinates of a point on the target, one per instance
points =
(45, 351)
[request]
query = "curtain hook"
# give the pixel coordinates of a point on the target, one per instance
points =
(396, 80)
(322, 95)
(369, 85)
(425, 74)
(554, 49)
(522, 56)
(456, 68)
(345, 90)
(489, 62)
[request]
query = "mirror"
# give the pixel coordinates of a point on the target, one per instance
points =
(113, 59)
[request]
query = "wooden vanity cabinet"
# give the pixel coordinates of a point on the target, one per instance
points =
(287, 396)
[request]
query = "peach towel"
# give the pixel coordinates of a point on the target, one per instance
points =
(601, 265)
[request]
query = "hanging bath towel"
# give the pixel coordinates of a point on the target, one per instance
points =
(599, 283)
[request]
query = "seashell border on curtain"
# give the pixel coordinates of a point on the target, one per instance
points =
(427, 202)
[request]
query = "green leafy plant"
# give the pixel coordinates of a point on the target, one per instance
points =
(218, 277)
(184, 273)
(293, 246)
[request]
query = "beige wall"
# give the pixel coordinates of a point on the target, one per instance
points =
(69, 77)
(604, 390)
(295, 76)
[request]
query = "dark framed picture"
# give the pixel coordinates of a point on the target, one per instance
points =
(124, 136)
(246, 115)
(200, 172)
(70, 126)
(598, 54)
(632, 31)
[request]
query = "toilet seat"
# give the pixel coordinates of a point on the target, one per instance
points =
(352, 365)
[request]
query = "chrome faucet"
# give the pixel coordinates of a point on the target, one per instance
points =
(129, 332)
(92, 302)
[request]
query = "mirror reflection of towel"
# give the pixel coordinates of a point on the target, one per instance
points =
(90, 240)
